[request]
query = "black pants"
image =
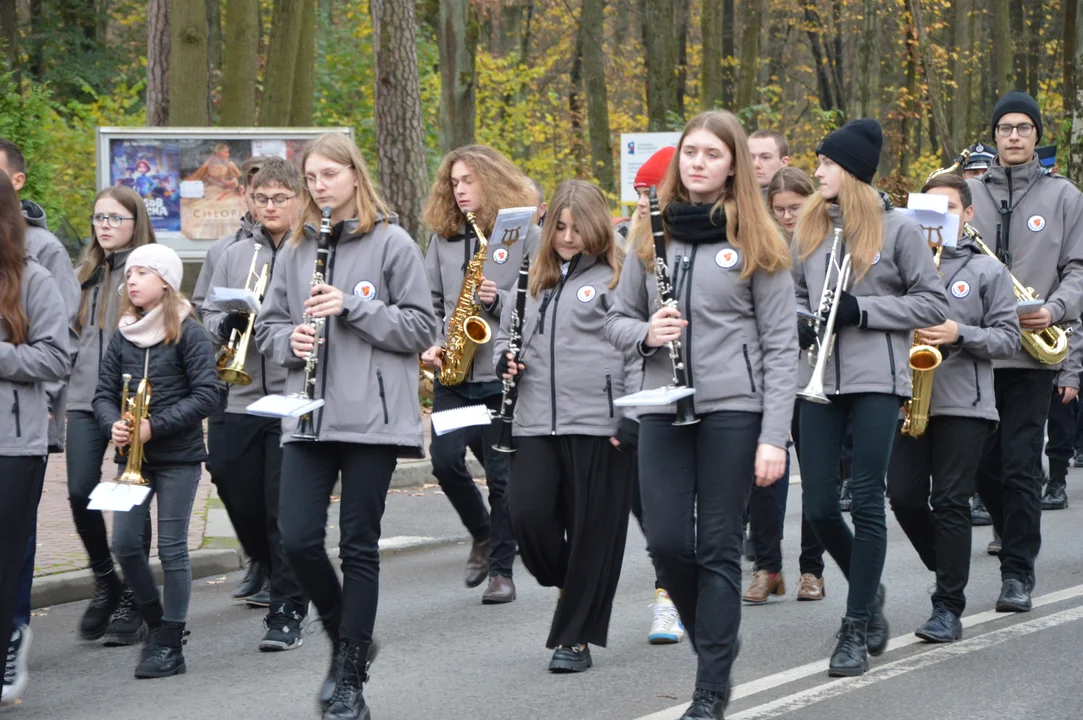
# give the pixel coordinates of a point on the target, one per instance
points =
(1009, 477)
(21, 481)
(1065, 428)
(248, 472)
(568, 504)
(637, 510)
(449, 466)
(938, 469)
(85, 451)
(696, 481)
(309, 472)
(859, 554)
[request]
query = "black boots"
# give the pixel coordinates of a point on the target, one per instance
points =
(331, 622)
(706, 705)
(253, 580)
(1056, 492)
(979, 514)
(161, 655)
(1014, 596)
(851, 655)
(846, 497)
(127, 626)
(107, 594)
(347, 701)
(877, 628)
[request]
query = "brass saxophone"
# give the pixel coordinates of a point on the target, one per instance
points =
(466, 328)
(924, 359)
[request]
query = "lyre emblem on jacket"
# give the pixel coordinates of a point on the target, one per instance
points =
(510, 236)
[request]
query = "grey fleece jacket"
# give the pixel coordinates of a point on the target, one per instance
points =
(27, 368)
(741, 335)
(44, 247)
(367, 373)
(1043, 231)
(231, 271)
(981, 302)
(445, 266)
(901, 291)
(248, 228)
(571, 376)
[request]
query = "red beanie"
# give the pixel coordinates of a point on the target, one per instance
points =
(652, 171)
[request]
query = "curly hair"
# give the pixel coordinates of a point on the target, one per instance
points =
(502, 184)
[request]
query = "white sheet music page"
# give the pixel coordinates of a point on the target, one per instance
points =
(283, 406)
(119, 497)
(445, 421)
(237, 299)
(657, 397)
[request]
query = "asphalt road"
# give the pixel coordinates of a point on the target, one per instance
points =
(447, 656)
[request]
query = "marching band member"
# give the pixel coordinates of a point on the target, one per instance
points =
(571, 483)
(894, 288)
(476, 179)
(736, 326)
(377, 316)
(158, 338)
(982, 327)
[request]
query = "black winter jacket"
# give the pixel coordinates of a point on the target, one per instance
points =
(184, 391)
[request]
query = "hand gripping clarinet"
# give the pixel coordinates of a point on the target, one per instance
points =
(685, 411)
(305, 428)
(515, 347)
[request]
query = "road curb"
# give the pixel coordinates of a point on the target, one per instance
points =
(79, 585)
(424, 544)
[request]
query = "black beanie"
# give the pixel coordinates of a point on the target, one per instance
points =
(855, 147)
(1018, 102)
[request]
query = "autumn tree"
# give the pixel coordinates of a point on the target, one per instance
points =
(158, 49)
(188, 78)
(241, 63)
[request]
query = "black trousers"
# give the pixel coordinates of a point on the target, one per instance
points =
(449, 466)
(309, 473)
(1064, 428)
(859, 554)
(637, 510)
(696, 481)
(21, 483)
(568, 504)
(1009, 476)
(811, 560)
(248, 472)
(929, 483)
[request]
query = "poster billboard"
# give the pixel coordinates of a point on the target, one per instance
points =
(635, 149)
(189, 178)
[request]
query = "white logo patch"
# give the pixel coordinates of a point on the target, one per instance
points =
(1036, 223)
(876, 259)
(365, 290)
(726, 258)
(500, 256)
(960, 289)
(586, 293)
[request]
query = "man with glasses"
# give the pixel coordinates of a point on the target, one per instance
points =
(1033, 219)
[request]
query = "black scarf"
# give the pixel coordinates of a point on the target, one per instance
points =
(695, 223)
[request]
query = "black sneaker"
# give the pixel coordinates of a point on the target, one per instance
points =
(706, 705)
(16, 676)
(943, 627)
(570, 659)
(127, 626)
(107, 595)
(283, 625)
(261, 599)
(161, 656)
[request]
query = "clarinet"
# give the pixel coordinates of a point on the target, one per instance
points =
(515, 347)
(305, 429)
(686, 414)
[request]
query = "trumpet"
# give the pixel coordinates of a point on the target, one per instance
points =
(825, 320)
(231, 360)
(134, 409)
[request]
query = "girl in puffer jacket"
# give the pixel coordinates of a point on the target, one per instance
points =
(157, 338)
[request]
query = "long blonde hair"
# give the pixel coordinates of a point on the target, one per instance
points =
(171, 303)
(338, 148)
(503, 185)
(749, 226)
(862, 223)
(590, 212)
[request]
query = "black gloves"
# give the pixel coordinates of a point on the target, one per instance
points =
(502, 367)
(628, 435)
(806, 334)
(234, 320)
(848, 313)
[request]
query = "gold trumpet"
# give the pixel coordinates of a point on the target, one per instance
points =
(231, 360)
(133, 411)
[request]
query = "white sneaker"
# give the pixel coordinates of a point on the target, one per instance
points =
(16, 675)
(666, 628)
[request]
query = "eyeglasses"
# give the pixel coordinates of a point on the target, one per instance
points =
(278, 200)
(114, 221)
(327, 176)
(1025, 130)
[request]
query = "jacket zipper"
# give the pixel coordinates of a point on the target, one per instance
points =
(748, 365)
(94, 305)
(687, 280)
(15, 411)
(326, 337)
(890, 357)
(383, 397)
(553, 353)
(838, 364)
(609, 392)
(263, 360)
(977, 384)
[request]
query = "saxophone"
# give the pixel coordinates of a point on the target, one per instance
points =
(466, 328)
(924, 359)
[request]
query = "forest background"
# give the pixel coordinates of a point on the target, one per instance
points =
(552, 83)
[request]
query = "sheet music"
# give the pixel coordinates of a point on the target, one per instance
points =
(237, 299)
(445, 421)
(657, 397)
(931, 213)
(119, 497)
(283, 406)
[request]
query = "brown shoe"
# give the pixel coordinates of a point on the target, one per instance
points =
(501, 590)
(810, 587)
(764, 584)
(477, 564)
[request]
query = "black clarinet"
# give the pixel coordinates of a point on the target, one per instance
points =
(515, 347)
(305, 428)
(686, 414)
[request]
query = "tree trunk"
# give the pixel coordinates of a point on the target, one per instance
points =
(575, 105)
(661, 58)
(286, 22)
(188, 79)
(241, 63)
(457, 38)
(932, 80)
(214, 37)
(400, 144)
(911, 88)
(158, 42)
(868, 62)
(594, 62)
(1000, 49)
(1075, 161)
(823, 72)
(1018, 23)
(304, 74)
(710, 78)
(1071, 17)
(9, 22)
(680, 40)
(960, 101)
(837, 58)
(750, 53)
(1036, 12)
(728, 59)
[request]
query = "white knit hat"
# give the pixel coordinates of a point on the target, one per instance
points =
(160, 260)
